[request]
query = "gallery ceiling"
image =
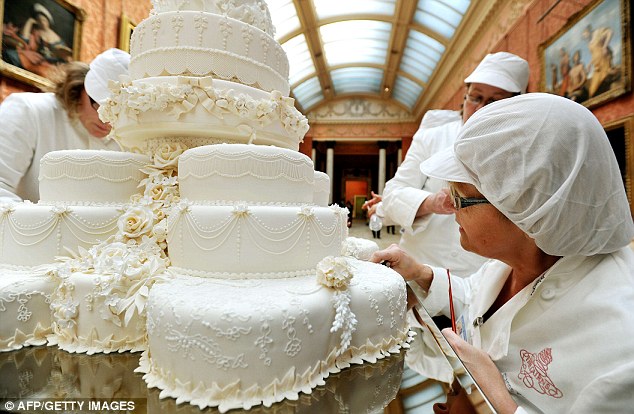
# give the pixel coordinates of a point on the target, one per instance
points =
(388, 50)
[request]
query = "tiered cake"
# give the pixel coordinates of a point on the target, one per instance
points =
(229, 254)
(83, 195)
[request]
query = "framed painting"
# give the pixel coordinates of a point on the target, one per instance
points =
(38, 35)
(125, 32)
(589, 59)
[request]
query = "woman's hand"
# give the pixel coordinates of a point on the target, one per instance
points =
(483, 371)
(438, 203)
(405, 265)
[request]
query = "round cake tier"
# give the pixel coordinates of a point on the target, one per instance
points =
(83, 317)
(321, 195)
(33, 234)
(253, 12)
(241, 240)
(90, 176)
(252, 173)
(236, 344)
(25, 317)
(201, 107)
(204, 44)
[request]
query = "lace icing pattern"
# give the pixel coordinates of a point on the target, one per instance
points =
(250, 162)
(219, 64)
(252, 12)
(176, 271)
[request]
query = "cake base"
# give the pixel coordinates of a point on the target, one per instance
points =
(25, 318)
(242, 343)
(84, 321)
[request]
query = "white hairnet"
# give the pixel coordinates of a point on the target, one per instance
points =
(545, 162)
(107, 66)
(503, 70)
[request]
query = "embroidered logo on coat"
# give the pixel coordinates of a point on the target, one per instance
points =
(534, 372)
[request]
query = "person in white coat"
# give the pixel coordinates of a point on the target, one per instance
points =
(36, 123)
(417, 202)
(537, 189)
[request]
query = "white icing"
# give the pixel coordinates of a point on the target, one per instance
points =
(321, 191)
(225, 353)
(204, 44)
(241, 172)
(253, 239)
(201, 107)
(25, 319)
(252, 12)
(359, 248)
(73, 175)
(33, 234)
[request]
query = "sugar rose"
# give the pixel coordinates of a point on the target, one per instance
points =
(334, 272)
(136, 222)
(166, 156)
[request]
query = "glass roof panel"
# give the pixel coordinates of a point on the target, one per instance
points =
(299, 58)
(406, 91)
(308, 93)
(357, 79)
(332, 8)
(421, 55)
(355, 41)
(441, 16)
(284, 17)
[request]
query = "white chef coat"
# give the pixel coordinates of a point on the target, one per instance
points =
(433, 239)
(33, 124)
(563, 344)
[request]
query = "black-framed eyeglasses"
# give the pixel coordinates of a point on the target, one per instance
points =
(464, 202)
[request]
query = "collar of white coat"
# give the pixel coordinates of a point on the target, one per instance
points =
(493, 336)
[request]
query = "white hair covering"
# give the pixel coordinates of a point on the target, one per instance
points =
(107, 66)
(545, 162)
(503, 70)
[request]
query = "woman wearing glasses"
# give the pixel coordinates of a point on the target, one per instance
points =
(536, 188)
(36, 123)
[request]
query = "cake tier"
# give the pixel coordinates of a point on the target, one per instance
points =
(254, 241)
(84, 320)
(25, 317)
(321, 194)
(252, 12)
(252, 173)
(270, 343)
(216, 110)
(205, 44)
(90, 176)
(33, 234)
(366, 388)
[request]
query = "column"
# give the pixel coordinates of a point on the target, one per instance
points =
(382, 152)
(330, 166)
(313, 155)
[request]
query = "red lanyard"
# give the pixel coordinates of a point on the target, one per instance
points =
(451, 311)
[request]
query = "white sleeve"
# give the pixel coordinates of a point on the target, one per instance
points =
(18, 136)
(403, 194)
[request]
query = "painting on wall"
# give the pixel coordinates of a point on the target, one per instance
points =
(588, 60)
(126, 27)
(38, 35)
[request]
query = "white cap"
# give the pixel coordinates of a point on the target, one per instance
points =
(107, 66)
(503, 70)
(38, 8)
(545, 163)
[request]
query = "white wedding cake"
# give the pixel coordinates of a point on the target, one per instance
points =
(83, 195)
(226, 265)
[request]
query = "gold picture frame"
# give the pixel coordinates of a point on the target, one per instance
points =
(589, 59)
(125, 32)
(620, 133)
(28, 53)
